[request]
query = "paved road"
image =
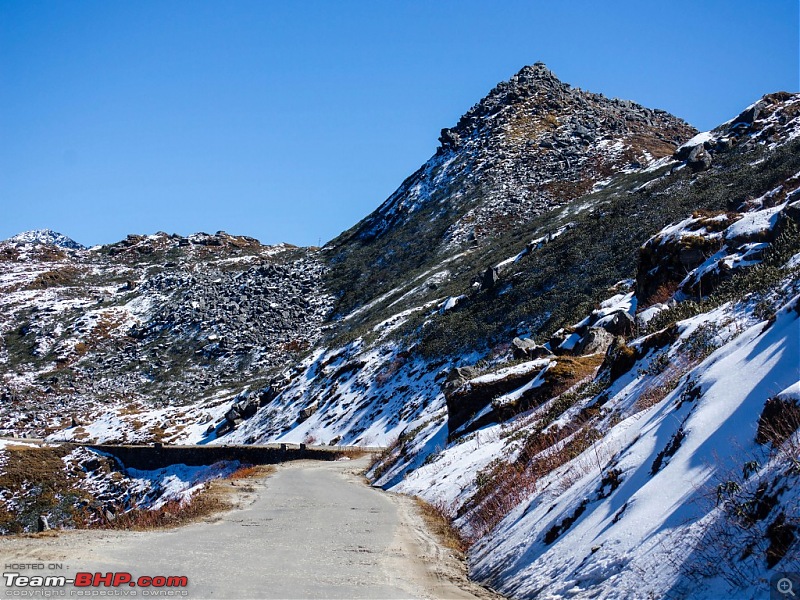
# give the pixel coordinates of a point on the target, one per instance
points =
(312, 530)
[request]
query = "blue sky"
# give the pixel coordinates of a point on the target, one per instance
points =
(290, 121)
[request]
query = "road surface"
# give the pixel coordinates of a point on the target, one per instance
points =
(310, 530)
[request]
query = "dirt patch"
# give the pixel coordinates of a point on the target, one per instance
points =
(440, 570)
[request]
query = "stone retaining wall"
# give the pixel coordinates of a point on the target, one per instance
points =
(158, 456)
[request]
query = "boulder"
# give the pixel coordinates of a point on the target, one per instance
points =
(597, 340)
(617, 323)
(490, 278)
(528, 349)
(699, 159)
(458, 377)
(42, 524)
(449, 139)
(266, 395)
(583, 132)
(92, 465)
(308, 411)
(665, 261)
(619, 358)
(750, 114)
(247, 407)
(788, 217)
(558, 338)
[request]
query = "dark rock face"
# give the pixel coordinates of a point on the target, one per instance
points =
(458, 377)
(619, 358)
(475, 394)
(449, 139)
(749, 115)
(618, 323)
(490, 278)
(307, 412)
(664, 262)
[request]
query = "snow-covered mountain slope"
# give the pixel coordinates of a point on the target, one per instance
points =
(672, 494)
(672, 491)
(45, 237)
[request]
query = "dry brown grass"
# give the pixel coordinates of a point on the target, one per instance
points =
(570, 370)
(657, 148)
(157, 433)
(49, 533)
(130, 409)
(438, 521)
(564, 191)
(295, 346)
(251, 471)
(655, 394)
(663, 293)
(708, 219)
(56, 278)
(37, 477)
(107, 323)
(26, 463)
(508, 483)
(172, 514)
(524, 126)
(352, 454)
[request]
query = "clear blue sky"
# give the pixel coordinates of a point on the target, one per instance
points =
(290, 121)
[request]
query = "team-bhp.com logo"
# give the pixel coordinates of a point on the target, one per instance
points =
(157, 585)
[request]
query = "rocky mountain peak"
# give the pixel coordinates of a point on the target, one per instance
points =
(531, 144)
(46, 237)
(532, 81)
(534, 101)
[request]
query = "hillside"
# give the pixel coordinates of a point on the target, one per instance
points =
(153, 322)
(532, 144)
(575, 328)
